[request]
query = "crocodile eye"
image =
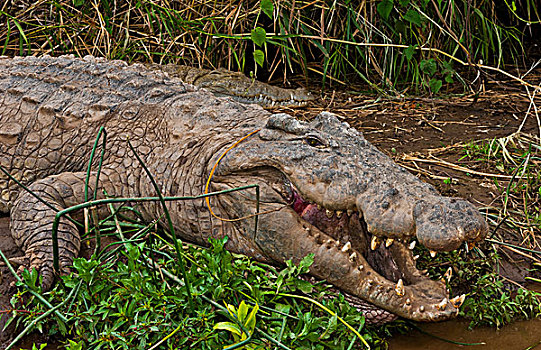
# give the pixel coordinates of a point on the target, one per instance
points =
(314, 142)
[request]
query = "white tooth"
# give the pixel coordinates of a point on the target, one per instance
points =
(448, 274)
(339, 213)
(422, 308)
(389, 242)
(319, 207)
(400, 288)
(374, 244)
(360, 267)
(273, 103)
(442, 305)
(412, 245)
(350, 212)
(353, 257)
(433, 253)
(416, 257)
(458, 301)
(329, 213)
(346, 247)
(408, 301)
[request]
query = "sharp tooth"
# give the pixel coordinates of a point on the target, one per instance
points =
(319, 207)
(412, 245)
(350, 212)
(422, 308)
(389, 242)
(442, 305)
(399, 289)
(339, 213)
(360, 267)
(433, 253)
(346, 247)
(353, 257)
(374, 244)
(408, 301)
(457, 301)
(416, 257)
(448, 274)
(328, 213)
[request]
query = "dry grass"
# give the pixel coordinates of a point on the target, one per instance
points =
(335, 40)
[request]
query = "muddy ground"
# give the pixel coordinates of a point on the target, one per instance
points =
(413, 128)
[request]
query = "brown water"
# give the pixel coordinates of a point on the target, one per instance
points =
(520, 335)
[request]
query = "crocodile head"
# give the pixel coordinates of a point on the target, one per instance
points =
(222, 82)
(325, 190)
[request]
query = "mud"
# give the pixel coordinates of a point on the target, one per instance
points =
(520, 335)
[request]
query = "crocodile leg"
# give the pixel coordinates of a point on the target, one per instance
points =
(32, 220)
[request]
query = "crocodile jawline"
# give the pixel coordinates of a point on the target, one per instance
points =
(389, 258)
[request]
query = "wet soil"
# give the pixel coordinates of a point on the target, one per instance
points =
(520, 335)
(417, 129)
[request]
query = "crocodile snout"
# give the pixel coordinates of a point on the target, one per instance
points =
(443, 223)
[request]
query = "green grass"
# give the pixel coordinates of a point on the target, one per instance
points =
(377, 43)
(122, 300)
(519, 207)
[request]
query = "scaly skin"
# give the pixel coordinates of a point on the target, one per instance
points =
(222, 82)
(324, 189)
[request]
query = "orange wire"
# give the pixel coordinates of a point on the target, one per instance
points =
(212, 173)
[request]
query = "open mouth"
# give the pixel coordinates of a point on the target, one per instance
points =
(392, 283)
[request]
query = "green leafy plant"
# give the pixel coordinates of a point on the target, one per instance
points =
(371, 41)
(490, 303)
(245, 318)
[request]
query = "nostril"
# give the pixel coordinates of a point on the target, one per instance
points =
(443, 223)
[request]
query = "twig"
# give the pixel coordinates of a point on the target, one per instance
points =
(444, 163)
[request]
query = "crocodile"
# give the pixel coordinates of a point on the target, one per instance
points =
(223, 82)
(323, 188)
